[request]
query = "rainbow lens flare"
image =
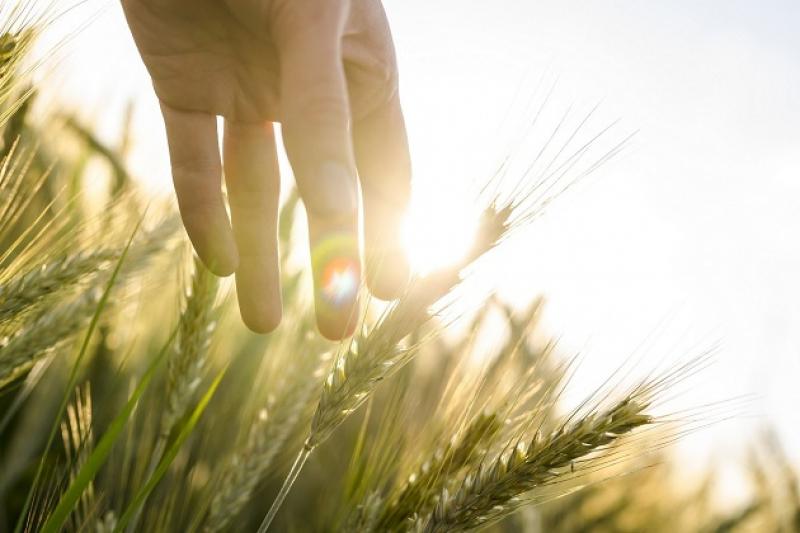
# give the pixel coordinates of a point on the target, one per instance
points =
(337, 270)
(339, 282)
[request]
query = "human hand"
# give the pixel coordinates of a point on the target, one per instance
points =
(326, 71)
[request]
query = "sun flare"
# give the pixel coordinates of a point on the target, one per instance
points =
(439, 228)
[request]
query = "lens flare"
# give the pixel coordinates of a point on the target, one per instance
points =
(337, 271)
(340, 281)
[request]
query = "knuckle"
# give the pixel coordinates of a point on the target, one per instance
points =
(250, 199)
(193, 168)
(320, 109)
(384, 69)
(291, 20)
(197, 200)
(373, 88)
(246, 203)
(385, 82)
(198, 211)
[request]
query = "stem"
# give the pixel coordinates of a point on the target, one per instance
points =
(30, 383)
(291, 477)
(155, 458)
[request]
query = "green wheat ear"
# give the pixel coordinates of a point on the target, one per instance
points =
(490, 492)
(68, 502)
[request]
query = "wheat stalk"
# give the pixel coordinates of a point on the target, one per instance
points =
(27, 290)
(43, 334)
(78, 438)
(267, 436)
(375, 356)
(421, 487)
(186, 366)
(378, 354)
(496, 488)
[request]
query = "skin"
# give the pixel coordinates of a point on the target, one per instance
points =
(325, 70)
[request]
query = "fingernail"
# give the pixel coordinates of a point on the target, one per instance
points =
(336, 193)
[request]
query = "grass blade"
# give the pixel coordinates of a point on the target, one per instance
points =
(73, 377)
(103, 449)
(187, 429)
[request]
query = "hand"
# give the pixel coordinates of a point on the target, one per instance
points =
(326, 71)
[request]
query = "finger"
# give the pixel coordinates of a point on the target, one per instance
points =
(384, 168)
(197, 175)
(315, 121)
(251, 174)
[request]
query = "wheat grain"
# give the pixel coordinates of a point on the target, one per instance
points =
(107, 524)
(374, 357)
(39, 337)
(366, 516)
(49, 327)
(494, 490)
(27, 290)
(186, 365)
(78, 438)
(417, 494)
(267, 437)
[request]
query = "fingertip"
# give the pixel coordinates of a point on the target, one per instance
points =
(387, 267)
(258, 291)
(259, 306)
(387, 274)
(336, 329)
(259, 298)
(221, 259)
(384, 167)
(337, 316)
(261, 321)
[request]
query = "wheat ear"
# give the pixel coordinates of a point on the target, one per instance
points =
(187, 363)
(40, 336)
(25, 291)
(378, 354)
(417, 494)
(267, 437)
(496, 488)
(375, 356)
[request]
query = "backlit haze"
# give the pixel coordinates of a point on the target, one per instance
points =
(686, 239)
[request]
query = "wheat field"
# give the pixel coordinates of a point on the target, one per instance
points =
(132, 398)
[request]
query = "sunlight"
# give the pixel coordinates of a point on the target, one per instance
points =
(658, 296)
(438, 232)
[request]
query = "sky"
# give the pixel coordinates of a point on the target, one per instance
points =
(688, 238)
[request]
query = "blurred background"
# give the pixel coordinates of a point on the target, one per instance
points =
(686, 239)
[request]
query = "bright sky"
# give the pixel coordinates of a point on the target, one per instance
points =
(692, 230)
